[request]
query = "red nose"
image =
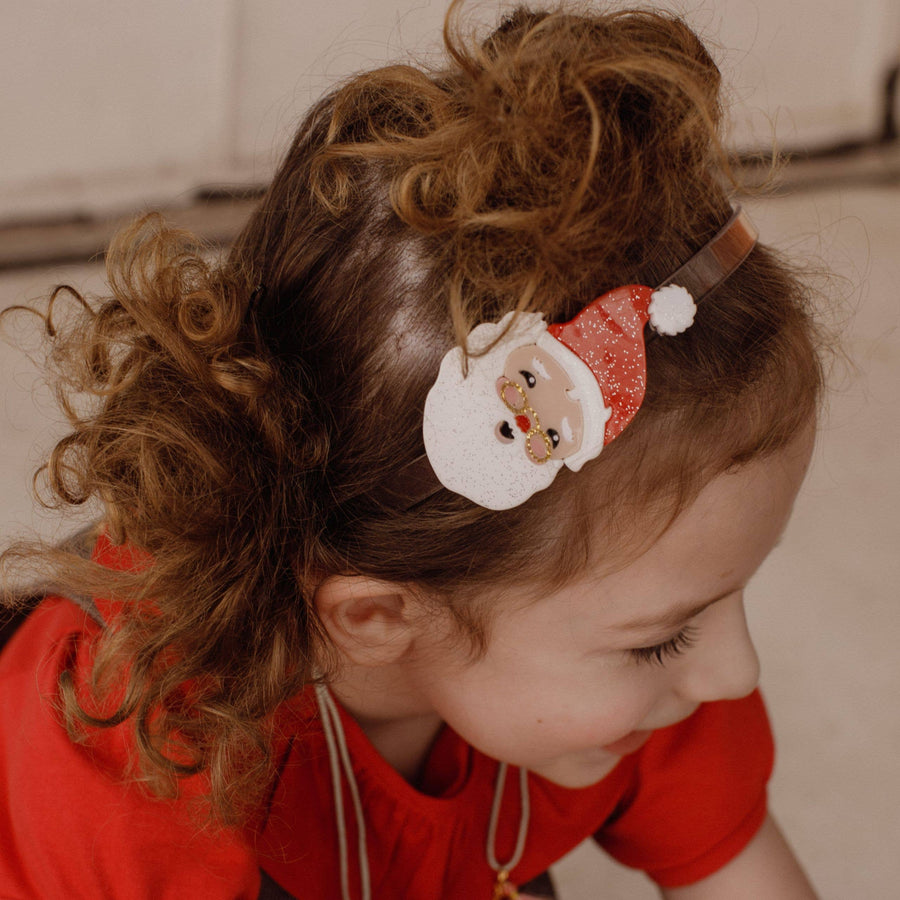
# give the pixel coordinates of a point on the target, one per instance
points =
(524, 424)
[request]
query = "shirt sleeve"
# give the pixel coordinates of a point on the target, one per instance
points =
(698, 794)
(71, 823)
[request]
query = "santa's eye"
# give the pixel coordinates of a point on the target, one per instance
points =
(530, 380)
(504, 432)
(553, 434)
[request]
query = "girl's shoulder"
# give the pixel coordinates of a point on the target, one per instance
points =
(74, 824)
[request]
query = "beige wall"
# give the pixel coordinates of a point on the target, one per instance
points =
(111, 105)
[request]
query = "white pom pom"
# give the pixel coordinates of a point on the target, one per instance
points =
(671, 309)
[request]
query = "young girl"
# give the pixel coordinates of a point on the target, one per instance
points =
(427, 513)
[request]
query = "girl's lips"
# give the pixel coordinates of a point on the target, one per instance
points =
(628, 744)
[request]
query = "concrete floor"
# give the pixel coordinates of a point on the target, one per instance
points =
(824, 609)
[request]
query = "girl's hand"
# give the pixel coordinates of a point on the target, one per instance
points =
(766, 868)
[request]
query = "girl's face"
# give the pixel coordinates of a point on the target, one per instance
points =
(578, 678)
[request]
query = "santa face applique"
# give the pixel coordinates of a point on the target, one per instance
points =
(472, 439)
(500, 422)
(536, 391)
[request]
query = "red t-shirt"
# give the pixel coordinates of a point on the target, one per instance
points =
(73, 826)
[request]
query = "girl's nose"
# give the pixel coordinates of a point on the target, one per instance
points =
(723, 665)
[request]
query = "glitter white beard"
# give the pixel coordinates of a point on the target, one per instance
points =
(461, 417)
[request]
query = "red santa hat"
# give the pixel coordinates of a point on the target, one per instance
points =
(602, 349)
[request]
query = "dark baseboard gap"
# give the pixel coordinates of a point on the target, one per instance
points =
(218, 213)
(215, 217)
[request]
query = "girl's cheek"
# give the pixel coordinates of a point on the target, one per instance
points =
(627, 701)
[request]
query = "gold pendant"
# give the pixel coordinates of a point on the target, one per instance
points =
(504, 889)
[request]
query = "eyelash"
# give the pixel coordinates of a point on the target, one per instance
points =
(659, 653)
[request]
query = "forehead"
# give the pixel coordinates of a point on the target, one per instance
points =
(537, 361)
(713, 546)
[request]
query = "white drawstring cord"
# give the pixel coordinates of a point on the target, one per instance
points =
(503, 869)
(338, 757)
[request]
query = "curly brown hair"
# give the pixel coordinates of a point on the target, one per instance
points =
(248, 413)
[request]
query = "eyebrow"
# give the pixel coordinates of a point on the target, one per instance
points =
(673, 618)
(539, 367)
(681, 614)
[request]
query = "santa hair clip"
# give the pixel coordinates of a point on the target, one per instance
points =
(545, 396)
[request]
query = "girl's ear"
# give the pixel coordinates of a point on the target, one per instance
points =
(369, 621)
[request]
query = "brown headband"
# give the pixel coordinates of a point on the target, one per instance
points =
(703, 272)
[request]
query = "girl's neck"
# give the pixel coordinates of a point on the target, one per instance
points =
(394, 720)
(403, 743)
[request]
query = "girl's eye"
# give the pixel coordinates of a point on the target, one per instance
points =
(553, 434)
(530, 380)
(675, 646)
